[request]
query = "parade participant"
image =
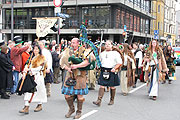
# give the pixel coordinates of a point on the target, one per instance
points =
(91, 80)
(38, 70)
(49, 75)
(169, 57)
(111, 61)
(73, 72)
(16, 58)
(138, 56)
(25, 55)
(127, 70)
(6, 67)
(155, 64)
(53, 45)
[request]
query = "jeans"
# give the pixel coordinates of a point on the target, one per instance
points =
(15, 80)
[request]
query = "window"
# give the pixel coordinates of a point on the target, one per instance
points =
(158, 25)
(159, 8)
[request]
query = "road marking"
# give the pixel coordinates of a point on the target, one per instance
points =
(138, 88)
(87, 114)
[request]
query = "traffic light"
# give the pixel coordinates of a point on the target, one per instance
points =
(124, 34)
(55, 28)
(61, 24)
(129, 34)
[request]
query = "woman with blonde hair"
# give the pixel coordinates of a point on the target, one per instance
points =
(155, 65)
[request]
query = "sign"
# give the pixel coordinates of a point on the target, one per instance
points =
(156, 32)
(125, 28)
(57, 3)
(156, 37)
(57, 10)
(43, 26)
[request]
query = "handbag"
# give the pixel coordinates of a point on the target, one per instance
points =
(106, 75)
(71, 81)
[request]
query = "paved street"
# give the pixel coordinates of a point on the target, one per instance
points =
(135, 106)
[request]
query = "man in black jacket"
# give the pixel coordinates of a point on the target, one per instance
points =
(56, 65)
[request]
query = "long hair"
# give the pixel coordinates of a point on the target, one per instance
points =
(150, 46)
(126, 48)
(36, 45)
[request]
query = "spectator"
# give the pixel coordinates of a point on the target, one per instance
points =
(6, 67)
(56, 65)
(16, 58)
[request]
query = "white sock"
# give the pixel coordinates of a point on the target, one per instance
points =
(26, 103)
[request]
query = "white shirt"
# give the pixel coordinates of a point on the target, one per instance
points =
(140, 56)
(48, 57)
(110, 59)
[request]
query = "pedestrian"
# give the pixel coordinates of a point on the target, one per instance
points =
(127, 70)
(6, 67)
(56, 65)
(169, 57)
(16, 58)
(111, 61)
(73, 72)
(155, 64)
(138, 56)
(38, 70)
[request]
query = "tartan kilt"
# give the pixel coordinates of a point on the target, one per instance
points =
(71, 91)
(49, 77)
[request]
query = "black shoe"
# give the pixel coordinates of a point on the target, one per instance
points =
(5, 97)
(134, 86)
(91, 88)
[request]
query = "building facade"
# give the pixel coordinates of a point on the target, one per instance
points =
(178, 27)
(170, 21)
(0, 20)
(158, 21)
(100, 17)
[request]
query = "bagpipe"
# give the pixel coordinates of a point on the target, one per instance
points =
(77, 60)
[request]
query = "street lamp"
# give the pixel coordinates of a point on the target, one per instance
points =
(12, 19)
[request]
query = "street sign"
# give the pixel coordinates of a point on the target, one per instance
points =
(57, 3)
(125, 28)
(156, 37)
(156, 32)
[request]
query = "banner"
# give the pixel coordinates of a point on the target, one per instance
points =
(43, 26)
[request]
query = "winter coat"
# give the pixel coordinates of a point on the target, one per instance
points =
(6, 65)
(56, 59)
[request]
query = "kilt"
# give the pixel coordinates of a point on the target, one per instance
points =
(71, 91)
(49, 77)
(111, 82)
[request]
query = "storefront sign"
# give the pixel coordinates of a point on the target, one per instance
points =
(93, 31)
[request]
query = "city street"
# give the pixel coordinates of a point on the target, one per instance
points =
(135, 106)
